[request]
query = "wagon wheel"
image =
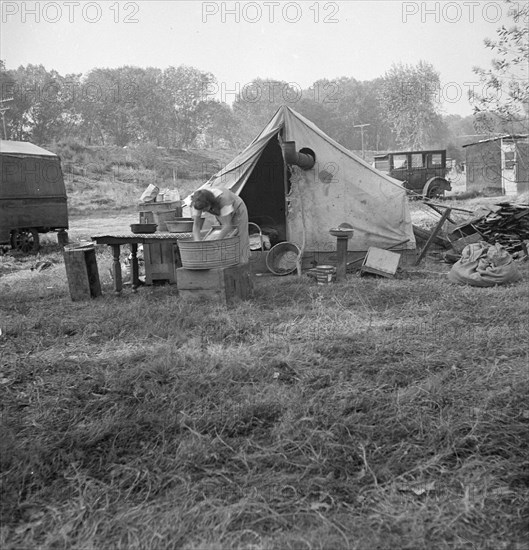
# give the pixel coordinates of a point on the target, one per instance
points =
(25, 240)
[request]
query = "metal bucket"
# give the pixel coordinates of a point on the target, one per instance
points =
(282, 258)
(325, 274)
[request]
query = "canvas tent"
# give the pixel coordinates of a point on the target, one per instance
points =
(304, 203)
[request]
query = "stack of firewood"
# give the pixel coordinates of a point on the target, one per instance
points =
(507, 225)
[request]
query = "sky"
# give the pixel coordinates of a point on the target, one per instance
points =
(297, 42)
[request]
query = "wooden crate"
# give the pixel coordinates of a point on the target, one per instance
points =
(161, 259)
(381, 262)
(460, 244)
(149, 212)
(82, 272)
(161, 262)
(226, 285)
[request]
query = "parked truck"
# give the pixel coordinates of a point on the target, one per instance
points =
(422, 172)
(32, 195)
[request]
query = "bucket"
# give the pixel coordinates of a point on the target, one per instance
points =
(282, 259)
(325, 274)
(209, 254)
(162, 216)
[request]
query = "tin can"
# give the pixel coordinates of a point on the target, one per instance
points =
(325, 274)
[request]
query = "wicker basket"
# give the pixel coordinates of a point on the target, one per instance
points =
(209, 254)
(282, 259)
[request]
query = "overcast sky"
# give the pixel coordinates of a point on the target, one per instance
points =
(298, 42)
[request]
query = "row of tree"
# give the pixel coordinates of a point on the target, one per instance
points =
(180, 107)
(183, 106)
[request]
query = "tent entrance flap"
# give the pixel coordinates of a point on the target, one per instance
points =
(264, 191)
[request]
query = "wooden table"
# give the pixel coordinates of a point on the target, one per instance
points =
(115, 240)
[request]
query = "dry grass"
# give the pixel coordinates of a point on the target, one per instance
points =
(373, 414)
(112, 178)
(88, 195)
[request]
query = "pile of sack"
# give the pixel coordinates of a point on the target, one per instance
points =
(484, 264)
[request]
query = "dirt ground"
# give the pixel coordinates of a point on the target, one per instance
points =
(86, 226)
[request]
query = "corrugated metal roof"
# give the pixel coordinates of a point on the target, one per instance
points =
(507, 136)
(23, 148)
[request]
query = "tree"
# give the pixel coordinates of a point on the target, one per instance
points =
(502, 102)
(186, 88)
(7, 91)
(257, 102)
(107, 101)
(343, 101)
(348, 103)
(217, 124)
(149, 105)
(41, 109)
(408, 97)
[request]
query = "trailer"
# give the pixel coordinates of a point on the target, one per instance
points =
(32, 196)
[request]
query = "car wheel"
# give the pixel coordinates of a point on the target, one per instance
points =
(435, 192)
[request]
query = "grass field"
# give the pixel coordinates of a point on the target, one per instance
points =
(372, 414)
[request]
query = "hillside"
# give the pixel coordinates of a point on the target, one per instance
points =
(113, 178)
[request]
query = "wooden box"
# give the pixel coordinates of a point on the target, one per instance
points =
(381, 262)
(153, 212)
(226, 285)
(161, 262)
(82, 272)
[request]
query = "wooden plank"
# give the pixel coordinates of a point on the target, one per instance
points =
(430, 203)
(238, 282)
(82, 274)
(437, 209)
(199, 279)
(438, 227)
(424, 235)
(160, 206)
(76, 274)
(92, 273)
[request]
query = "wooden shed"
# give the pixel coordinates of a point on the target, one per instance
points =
(498, 164)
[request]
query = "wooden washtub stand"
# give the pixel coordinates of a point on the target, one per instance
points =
(115, 240)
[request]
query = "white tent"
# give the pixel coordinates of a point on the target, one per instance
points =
(303, 204)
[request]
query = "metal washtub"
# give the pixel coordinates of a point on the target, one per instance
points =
(209, 254)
